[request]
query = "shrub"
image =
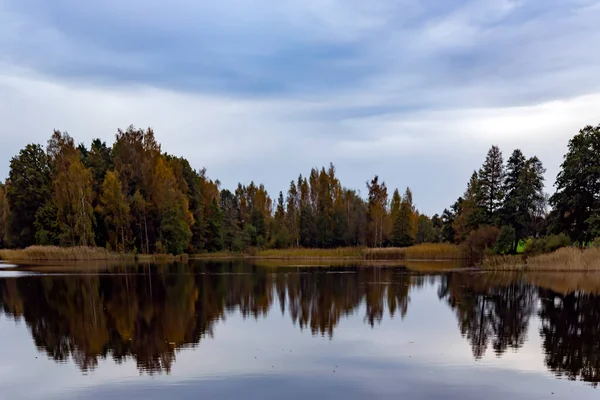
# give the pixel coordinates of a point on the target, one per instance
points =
(479, 241)
(547, 244)
(596, 243)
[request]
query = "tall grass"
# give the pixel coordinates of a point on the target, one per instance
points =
(563, 259)
(55, 253)
(567, 259)
(425, 251)
(43, 253)
(342, 252)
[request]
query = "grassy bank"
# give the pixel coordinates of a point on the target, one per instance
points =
(54, 253)
(565, 259)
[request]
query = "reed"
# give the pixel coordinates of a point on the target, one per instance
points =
(302, 253)
(425, 251)
(499, 262)
(55, 253)
(568, 259)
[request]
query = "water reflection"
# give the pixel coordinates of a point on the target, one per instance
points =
(150, 314)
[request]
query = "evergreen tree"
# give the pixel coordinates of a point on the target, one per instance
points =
(29, 188)
(231, 230)
(405, 228)
(577, 199)
(525, 200)
(471, 212)
(491, 183)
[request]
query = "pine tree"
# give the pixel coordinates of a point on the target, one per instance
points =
(491, 183)
(525, 198)
(404, 230)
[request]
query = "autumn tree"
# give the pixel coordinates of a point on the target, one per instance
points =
(72, 191)
(377, 210)
(173, 216)
(115, 209)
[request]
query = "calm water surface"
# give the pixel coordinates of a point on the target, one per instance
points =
(237, 330)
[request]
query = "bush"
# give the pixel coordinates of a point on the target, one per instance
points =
(547, 244)
(480, 241)
(596, 243)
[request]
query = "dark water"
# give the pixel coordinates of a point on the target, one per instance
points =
(235, 330)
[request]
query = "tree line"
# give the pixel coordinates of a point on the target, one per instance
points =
(133, 197)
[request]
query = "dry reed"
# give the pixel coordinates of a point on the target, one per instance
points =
(54, 253)
(301, 253)
(565, 259)
(425, 251)
(40, 253)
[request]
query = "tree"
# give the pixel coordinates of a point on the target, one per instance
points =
(448, 218)
(425, 231)
(3, 212)
(72, 192)
(525, 199)
(405, 226)
(174, 217)
(491, 182)
(377, 207)
(280, 235)
(46, 224)
(470, 213)
(293, 213)
(230, 220)
(139, 206)
(506, 240)
(114, 207)
(577, 196)
(28, 188)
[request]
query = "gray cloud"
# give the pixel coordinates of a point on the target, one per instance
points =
(415, 92)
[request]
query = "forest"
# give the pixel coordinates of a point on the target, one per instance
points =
(133, 197)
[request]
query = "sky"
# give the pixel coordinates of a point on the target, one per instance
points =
(262, 90)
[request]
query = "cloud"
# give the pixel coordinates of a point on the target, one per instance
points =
(415, 92)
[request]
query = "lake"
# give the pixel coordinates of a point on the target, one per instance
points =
(233, 330)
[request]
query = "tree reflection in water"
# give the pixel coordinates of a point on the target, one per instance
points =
(149, 314)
